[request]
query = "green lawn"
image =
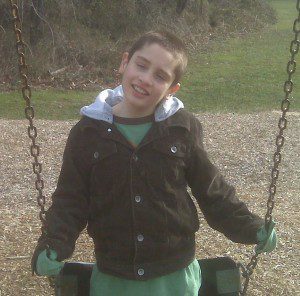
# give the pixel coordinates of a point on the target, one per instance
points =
(239, 75)
(48, 104)
(244, 74)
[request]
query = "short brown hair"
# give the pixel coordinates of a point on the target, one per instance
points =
(168, 41)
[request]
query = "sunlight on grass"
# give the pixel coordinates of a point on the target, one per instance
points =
(48, 104)
(243, 74)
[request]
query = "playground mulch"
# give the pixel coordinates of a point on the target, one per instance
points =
(241, 145)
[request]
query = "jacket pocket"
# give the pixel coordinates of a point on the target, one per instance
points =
(168, 168)
(104, 150)
(106, 167)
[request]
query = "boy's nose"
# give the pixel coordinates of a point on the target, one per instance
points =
(146, 79)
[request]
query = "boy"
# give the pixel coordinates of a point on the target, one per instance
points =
(125, 172)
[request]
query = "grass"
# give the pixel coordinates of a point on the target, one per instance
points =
(244, 74)
(48, 104)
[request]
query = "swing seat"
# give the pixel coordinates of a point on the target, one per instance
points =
(220, 276)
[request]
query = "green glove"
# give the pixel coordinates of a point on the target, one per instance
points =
(48, 266)
(267, 240)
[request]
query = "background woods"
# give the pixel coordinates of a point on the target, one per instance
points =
(85, 38)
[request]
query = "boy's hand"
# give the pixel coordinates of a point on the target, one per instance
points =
(267, 239)
(48, 266)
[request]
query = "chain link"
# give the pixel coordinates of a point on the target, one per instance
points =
(29, 113)
(282, 124)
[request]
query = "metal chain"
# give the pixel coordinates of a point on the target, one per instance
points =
(29, 113)
(282, 124)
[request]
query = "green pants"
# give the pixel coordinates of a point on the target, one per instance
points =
(184, 282)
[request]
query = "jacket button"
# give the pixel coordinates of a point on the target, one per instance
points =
(140, 237)
(137, 198)
(96, 155)
(141, 271)
(109, 130)
(173, 149)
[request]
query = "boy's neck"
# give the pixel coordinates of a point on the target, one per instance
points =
(122, 110)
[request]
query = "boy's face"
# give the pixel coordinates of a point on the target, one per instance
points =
(147, 78)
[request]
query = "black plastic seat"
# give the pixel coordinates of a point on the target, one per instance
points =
(220, 276)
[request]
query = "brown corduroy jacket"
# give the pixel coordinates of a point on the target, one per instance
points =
(135, 201)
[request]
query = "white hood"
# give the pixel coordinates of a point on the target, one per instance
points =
(101, 109)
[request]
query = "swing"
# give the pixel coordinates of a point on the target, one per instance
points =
(220, 276)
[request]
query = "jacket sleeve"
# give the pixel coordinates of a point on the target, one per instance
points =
(217, 200)
(68, 214)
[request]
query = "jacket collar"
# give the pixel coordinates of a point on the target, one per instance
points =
(179, 119)
(101, 109)
(158, 130)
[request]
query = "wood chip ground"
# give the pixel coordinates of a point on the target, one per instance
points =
(242, 146)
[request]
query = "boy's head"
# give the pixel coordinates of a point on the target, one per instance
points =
(151, 71)
(169, 42)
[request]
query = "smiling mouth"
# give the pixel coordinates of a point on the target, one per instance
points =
(140, 90)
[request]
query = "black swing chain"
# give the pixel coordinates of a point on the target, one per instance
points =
(29, 114)
(282, 124)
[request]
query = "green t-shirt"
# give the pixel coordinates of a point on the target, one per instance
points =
(133, 129)
(183, 282)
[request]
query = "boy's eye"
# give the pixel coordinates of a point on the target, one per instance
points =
(160, 77)
(141, 66)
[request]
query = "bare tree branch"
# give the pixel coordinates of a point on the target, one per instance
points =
(31, 53)
(74, 11)
(44, 20)
(3, 29)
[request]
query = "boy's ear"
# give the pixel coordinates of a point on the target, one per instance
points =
(124, 62)
(174, 88)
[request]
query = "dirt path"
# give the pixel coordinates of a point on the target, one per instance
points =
(242, 147)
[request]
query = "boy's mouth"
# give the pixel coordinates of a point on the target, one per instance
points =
(139, 90)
